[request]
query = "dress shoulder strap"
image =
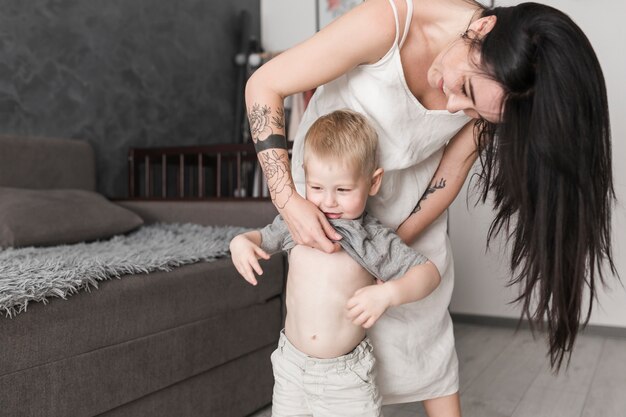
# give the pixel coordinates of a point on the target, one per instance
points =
(395, 16)
(407, 21)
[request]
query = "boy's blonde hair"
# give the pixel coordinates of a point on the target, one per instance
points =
(345, 135)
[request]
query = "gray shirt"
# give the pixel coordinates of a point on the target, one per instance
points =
(375, 247)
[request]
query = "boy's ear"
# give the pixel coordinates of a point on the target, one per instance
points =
(377, 178)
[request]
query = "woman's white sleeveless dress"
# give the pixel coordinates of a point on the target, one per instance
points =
(413, 343)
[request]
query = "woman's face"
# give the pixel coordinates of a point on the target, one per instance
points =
(456, 72)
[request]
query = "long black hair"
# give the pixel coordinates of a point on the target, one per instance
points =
(547, 164)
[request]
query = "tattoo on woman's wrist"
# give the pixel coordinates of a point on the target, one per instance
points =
(276, 168)
(437, 185)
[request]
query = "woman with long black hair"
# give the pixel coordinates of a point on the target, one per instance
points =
(446, 82)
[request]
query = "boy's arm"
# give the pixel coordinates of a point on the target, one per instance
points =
(253, 236)
(245, 253)
(247, 248)
(410, 277)
(370, 302)
(418, 282)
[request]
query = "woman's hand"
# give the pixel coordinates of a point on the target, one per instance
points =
(245, 255)
(368, 304)
(308, 225)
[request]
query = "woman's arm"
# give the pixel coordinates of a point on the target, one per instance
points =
(457, 160)
(361, 36)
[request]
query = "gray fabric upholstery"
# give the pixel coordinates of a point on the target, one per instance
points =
(129, 308)
(103, 379)
(59, 217)
(220, 213)
(43, 163)
(212, 392)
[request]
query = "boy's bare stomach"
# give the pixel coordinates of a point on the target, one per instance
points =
(318, 288)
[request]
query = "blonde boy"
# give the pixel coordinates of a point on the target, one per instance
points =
(324, 364)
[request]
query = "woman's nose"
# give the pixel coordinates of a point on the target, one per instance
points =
(454, 103)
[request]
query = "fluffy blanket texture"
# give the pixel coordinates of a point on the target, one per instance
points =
(35, 274)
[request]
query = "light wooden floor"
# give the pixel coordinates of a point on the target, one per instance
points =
(506, 374)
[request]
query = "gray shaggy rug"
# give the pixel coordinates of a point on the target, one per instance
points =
(35, 274)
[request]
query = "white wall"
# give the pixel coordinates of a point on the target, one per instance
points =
(480, 277)
(285, 23)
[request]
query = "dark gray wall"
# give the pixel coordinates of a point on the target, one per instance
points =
(120, 73)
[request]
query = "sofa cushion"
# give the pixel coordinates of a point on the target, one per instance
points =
(100, 380)
(55, 217)
(128, 308)
(46, 163)
(236, 388)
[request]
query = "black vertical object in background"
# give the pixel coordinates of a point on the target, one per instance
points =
(241, 63)
(317, 15)
(249, 47)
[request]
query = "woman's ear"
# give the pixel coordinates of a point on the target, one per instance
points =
(482, 26)
(377, 178)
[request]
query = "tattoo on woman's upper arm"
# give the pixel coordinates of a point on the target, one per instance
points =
(261, 123)
(279, 119)
(437, 185)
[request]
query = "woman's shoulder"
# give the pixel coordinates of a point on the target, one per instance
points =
(377, 17)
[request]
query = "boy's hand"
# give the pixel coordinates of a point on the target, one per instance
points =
(368, 304)
(245, 256)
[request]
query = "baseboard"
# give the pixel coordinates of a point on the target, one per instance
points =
(594, 330)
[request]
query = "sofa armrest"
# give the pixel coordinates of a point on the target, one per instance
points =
(219, 213)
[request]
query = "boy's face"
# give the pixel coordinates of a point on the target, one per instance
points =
(337, 189)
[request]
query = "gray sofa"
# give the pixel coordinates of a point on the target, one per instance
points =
(195, 341)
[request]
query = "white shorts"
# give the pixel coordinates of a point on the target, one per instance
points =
(337, 387)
